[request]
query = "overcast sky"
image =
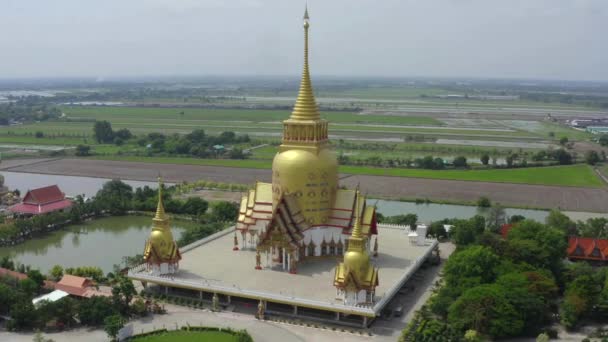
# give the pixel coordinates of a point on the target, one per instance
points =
(553, 39)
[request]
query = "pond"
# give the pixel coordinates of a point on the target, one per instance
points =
(101, 242)
(434, 212)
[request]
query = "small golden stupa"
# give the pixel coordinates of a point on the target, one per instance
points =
(161, 253)
(356, 278)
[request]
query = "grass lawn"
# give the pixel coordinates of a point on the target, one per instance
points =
(570, 175)
(187, 336)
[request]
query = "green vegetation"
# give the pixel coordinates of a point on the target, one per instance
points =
(496, 287)
(189, 336)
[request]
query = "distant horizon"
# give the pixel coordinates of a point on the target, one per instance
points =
(177, 77)
(518, 39)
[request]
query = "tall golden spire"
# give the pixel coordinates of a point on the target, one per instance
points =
(356, 234)
(160, 218)
(306, 106)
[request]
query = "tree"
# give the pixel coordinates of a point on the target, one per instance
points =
(486, 309)
(466, 232)
(592, 157)
(542, 337)
(115, 196)
(23, 315)
(83, 150)
(470, 267)
(496, 217)
(484, 202)
(562, 222)
(56, 272)
(537, 244)
(102, 130)
(92, 311)
(36, 276)
(562, 157)
(472, 336)
(510, 159)
(122, 294)
(112, 325)
(225, 211)
(7, 297)
(563, 141)
(603, 140)
(195, 206)
(29, 287)
(485, 159)
(516, 218)
(39, 134)
(460, 161)
(124, 134)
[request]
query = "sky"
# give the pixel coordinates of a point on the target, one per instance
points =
(536, 39)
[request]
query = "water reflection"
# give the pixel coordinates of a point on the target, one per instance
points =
(101, 242)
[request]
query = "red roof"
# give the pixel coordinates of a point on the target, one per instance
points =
(4, 272)
(35, 209)
(505, 229)
(45, 195)
(588, 248)
(74, 285)
(42, 201)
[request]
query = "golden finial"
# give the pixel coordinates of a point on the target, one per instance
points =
(160, 208)
(306, 106)
(357, 226)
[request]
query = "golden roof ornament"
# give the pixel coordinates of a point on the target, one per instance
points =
(306, 106)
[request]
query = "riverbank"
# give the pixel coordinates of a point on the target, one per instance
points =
(509, 195)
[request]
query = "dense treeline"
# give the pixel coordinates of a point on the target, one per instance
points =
(30, 108)
(195, 144)
(498, 288)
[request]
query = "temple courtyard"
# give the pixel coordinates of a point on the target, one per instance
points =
(210, 266)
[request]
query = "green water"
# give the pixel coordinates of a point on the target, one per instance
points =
(102, 242)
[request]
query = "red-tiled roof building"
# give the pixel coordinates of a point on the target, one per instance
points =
(580, 248)
(79, 287)
(42, 201)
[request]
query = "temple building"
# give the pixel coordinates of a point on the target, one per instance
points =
(161, 253)
(42, 201)
(590, 249)
(302, 245)
(302, 214)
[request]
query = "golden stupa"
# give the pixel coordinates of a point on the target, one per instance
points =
(161, 252)
(356, 273)
(302, 214)
(305, 166)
